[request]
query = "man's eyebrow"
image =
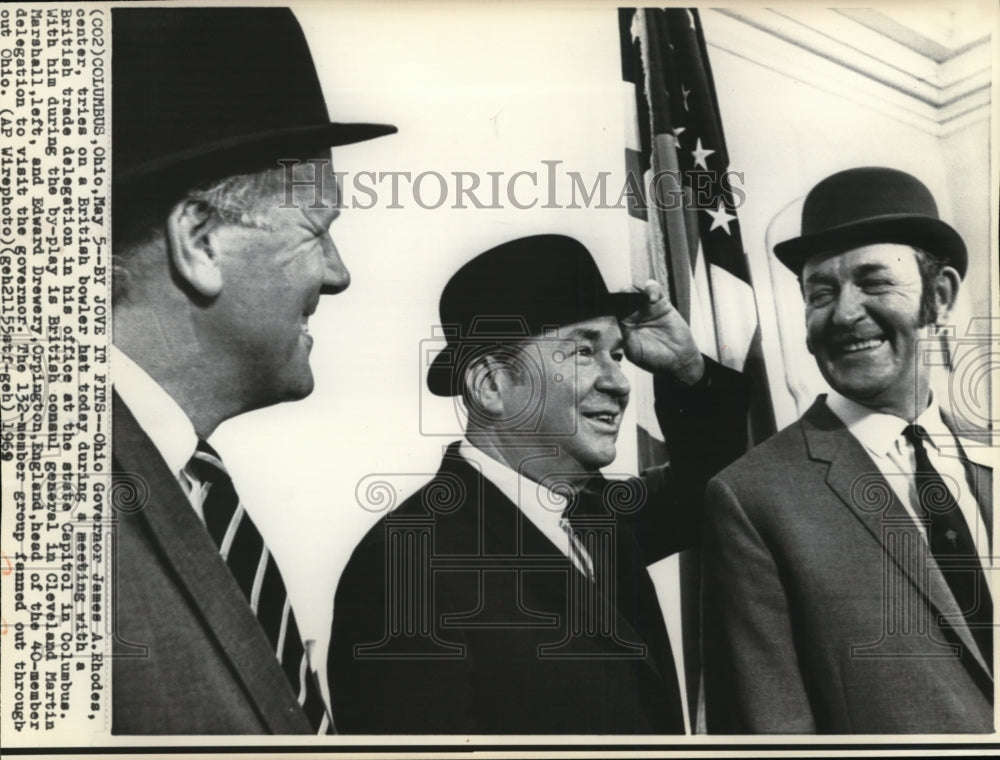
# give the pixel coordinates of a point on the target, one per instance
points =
(584, 333)
(819, 278)
(866, 269)
(321, 218)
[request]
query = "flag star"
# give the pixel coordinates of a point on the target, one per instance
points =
(677, 135)
(685, 92)
(691, 18)
(700, 154)
(720, 218)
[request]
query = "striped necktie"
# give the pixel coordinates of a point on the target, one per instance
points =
(256, 573)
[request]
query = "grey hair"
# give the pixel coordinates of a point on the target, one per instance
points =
(512, 356)
(242, 199)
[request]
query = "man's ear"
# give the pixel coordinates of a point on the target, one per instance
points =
(483, 388)
(945, 292)
(190, 248)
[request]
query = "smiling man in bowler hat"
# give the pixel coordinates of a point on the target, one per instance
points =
(510, 594)
(845, 584)
(220, 257)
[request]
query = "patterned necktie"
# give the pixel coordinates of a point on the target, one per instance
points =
(586, 546)
(578, 554)
(248, 559)
(952, 545)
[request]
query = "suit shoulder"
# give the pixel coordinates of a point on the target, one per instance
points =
(767, 459)
(438, 502)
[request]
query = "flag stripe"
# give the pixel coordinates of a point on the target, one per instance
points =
(692, 232)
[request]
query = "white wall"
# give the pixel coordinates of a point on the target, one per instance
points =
(966, 154)
(791, 119)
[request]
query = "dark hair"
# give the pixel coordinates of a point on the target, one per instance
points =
(930, 267)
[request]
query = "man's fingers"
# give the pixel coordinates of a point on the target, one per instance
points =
(657, 305)
(653, 290)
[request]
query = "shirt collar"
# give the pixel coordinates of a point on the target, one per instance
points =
(878, 431)
(543, 506)
(932, 421)
(159, 416)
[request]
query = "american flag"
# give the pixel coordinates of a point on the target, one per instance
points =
(684, 229)
(685, 233)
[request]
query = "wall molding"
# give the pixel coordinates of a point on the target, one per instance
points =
(837, 53)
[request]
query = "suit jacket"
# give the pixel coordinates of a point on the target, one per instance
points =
(189, 655)
(823, 610)
(456, 614)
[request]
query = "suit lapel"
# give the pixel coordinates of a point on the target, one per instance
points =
(861, 487)
(978, 475)
(981, 478)
(187, 548)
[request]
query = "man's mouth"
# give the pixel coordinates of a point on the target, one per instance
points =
(304, 330)
(855, 346)
(305, 318)
(607, 418)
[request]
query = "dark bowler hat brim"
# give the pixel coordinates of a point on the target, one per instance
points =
(515, 291)
(203, 93)
(870, 205)
(252, 152)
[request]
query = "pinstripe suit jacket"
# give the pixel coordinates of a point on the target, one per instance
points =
(189, 655)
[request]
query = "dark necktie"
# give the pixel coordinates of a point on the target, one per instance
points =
(952, 545)
(243, 550)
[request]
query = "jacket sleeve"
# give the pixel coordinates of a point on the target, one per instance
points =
(752, 679)
(402, 684)
(705, 426)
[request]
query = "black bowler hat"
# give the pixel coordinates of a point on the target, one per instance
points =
(870, 205)
(203, 93)
(515, 291)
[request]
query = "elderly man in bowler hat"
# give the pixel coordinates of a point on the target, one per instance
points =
(510, 594)
(846, 557)
(221, 255)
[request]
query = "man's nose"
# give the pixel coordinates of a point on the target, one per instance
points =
(336, 278)
(612, 380)
(849, 307)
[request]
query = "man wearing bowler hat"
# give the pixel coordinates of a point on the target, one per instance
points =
(847, 558)
(510, 594)
(221, 255)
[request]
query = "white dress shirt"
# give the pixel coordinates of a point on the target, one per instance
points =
(541, 505)
(881, 435)
(160, 418)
